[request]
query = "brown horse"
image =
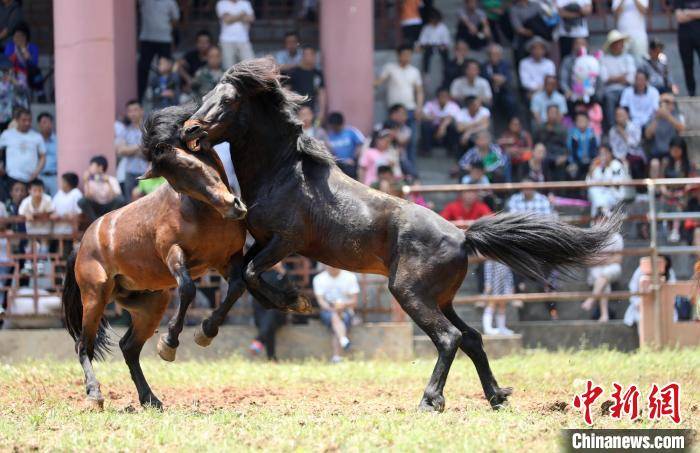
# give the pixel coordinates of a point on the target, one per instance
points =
(136, 254)
(300, 202)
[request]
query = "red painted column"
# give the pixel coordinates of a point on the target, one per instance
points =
(347, 45)
(85, 81)
(125, 44)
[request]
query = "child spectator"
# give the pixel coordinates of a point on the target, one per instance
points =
(379, 153)
(490, 155)
(37, 209)
(595, 115)
(582, 145)
(477, 175)
(102, 191)
(65, 205)
(208, 75)
(473, 26)
(346, 143)
(606, 168)
(386, 182)
(434, 37)
(165, 85)
(498, 280)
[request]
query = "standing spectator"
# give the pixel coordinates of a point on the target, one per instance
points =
(641, 99)
(602, 275)
(411, 22)
(457, 65)
(207, 76)
(542, 99)
(346, 143)
(498, 281)
(617, 71)
(379, 153)
(438, 124)
(606, 168)
(25, 151)
(517, 144)
(309, 127)
(195, 58)
(102, 191)
(631, 19)
(65, 207)
(472, 120)
(127, 143)
(536, 67)
(268, 321)
(306, 79)
(499, 74)
(48, 173)
(522, 13)
(10, 16)
(573, 23)
(158, 17)
(553, 135)
(626, 143)
(473, 26)
(24, 56)
(235, 18)
(492, 157)
(435, 37)
(467, 206)
(657, 68)
(688, 19)
(666, 124)
(290, 56)
(582, 145)
(337, 292)
(164, 85)
(404, 86)
(566, 67)
(471, 85)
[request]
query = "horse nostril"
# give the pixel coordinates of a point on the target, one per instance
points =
(190, 130)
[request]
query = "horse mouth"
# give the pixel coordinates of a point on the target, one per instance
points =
(195, 142)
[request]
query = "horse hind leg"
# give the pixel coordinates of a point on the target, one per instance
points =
(168, 343)
(473, 346)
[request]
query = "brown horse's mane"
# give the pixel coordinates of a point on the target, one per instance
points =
(261, 78)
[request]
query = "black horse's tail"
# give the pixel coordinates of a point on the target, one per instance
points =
(534, 245)
(73, 311)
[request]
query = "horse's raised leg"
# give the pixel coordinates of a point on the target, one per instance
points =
(146, 312)
(177, 263)
(472, 345)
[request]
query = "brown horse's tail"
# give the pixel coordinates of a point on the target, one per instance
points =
(73, 312)
(534, 245)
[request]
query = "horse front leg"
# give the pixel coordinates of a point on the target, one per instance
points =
(177, 263)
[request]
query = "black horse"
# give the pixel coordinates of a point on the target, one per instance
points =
(300, 202)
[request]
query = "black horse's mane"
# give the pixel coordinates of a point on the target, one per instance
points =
(163, 126)
(260, 78)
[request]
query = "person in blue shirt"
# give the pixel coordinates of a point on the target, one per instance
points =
(24, 56)
(346, 143)
(48, 173)
(582, 144)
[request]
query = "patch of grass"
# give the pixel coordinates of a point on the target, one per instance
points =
(236, 404)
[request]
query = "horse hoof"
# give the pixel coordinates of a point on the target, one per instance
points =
(436, 405)
(94, 404)
(165, 351)
(151, 402)
(500, 399)
(201, 338)
(301, 305)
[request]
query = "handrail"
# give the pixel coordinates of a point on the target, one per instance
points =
(544, 297)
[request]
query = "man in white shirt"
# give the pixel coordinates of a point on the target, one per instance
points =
(235, 18)
(25, 151)
(471, 85)
(438, 124)
(337, 292)
(617, 71)
(572, 23)
(65, 204)
(536, 67)
(404, 87)
(473, 119)
(641, 99)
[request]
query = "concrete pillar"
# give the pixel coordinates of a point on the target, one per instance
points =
(125, 53)
(347, 44)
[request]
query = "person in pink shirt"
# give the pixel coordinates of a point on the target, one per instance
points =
(379, 153)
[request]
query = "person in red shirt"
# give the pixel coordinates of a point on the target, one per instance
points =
(467, 206)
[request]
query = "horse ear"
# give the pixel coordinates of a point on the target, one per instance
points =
(150, 173)
(161, 148)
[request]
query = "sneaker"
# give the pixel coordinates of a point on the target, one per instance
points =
(491, 331)
(256, 348)
(344, 343)
(505, 331)
(336, 359)
(674, 236)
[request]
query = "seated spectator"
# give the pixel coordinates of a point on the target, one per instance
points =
(18, 192)
(625, 142)
(102, 191)
(467, 206)
(337, 292)
(477, 175)
(290, 56)
(471, 85)
(268, 321)
(538, 168)
(499, 20)
(308, 126)
(572, 23)
(48, 173)
(602, 275)
(606, 168)
(641, 100)
(523, 15)
(497, 71)
(675, 165)
(402, 135)
(542, 99)
(517, 144)
(595, 115)
(346, 143)
(553, 135)
(666, 124)
(438, 122)
(492, 157)
(530, 200)
(617, 71)
(566, 68)
(146, 186)
(473, 25)
(658, 69)
(12, 94)
(164, 85)
(194, 59)
(582, 145)
(386, 182)
(307, 80)
(24, 56)
(498, 281)
(641, 281)
(207, 76)
(65, 205)
(456, 66)
(434, 37)
(536, 67)
(379, 153)
(127, 144)
(472, 120)
(25, 150)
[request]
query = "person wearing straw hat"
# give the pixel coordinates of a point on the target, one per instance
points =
(688, 18)
(536, 67)
(630, 17)
(617, 71)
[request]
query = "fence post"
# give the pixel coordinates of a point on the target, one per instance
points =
(655, 283)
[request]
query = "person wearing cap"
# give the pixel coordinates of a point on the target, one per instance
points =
(536, 67)
(617, 71)
(656, 66)
(573, 23)
(630, 18)
(641, 99)
(688, 18)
